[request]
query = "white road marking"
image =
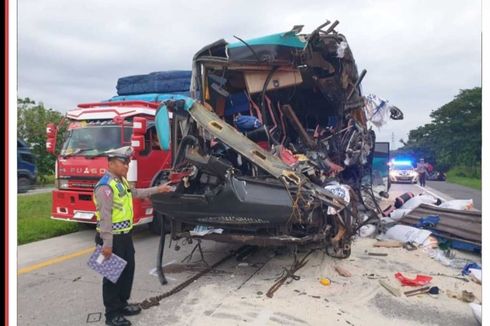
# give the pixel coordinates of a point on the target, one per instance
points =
(440, 195)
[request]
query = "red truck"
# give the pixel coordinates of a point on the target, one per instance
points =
(127, 119)
(93, 129)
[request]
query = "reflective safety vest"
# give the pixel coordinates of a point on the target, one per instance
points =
(122, 204)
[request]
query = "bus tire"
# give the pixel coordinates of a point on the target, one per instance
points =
(155, 225)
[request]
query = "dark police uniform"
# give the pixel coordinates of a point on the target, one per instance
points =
(114, 210)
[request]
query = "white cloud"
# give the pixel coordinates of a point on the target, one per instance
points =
(418, 53)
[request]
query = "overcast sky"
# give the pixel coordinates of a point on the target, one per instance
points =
(418, 53)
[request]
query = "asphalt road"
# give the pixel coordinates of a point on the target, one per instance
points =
(457, 192)
(55, 287)
(38, 190)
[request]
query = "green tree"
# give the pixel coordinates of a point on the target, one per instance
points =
(32, 119)
(454, 135)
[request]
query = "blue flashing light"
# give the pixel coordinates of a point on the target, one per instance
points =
(402, 162)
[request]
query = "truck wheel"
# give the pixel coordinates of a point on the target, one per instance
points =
(23, 184)
(155, 226)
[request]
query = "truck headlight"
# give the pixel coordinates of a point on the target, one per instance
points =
(62, 184)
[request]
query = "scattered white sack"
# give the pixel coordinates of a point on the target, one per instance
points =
(475, 273)
(418, 200)
(476, 311)
(460, 204)
(411, 204)
(430, 243)
(399, 213)
(405, 233)
(339, 191)
(367, 230)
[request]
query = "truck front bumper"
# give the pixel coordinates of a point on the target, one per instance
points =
(78, 206)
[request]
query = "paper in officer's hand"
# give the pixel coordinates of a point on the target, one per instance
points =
(111, 267)
(100, 259)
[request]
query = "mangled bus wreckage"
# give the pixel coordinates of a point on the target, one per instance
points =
(273, 146)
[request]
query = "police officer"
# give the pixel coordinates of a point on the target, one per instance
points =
(114, 210)
(422, 171)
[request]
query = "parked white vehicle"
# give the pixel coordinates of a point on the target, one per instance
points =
(403, 171)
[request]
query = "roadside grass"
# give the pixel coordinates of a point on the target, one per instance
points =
(33, 219)
(45, 181)
(465, 176)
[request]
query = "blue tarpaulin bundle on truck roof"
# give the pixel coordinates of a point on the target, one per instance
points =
(155, 82)
(151, 97)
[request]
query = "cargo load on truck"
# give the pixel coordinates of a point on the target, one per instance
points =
(155, 82)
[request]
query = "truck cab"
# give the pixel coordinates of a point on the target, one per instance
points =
(93, 129)
(26, 167)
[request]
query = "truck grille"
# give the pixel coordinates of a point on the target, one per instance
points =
(89, 184)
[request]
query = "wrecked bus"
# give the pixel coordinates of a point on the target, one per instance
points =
(273, 145)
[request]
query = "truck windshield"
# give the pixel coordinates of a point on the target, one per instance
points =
(94, 140)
